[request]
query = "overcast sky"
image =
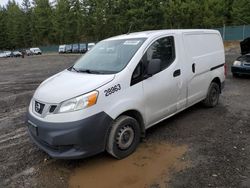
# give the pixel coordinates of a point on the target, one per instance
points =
(4, 2)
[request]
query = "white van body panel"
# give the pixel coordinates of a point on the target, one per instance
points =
(204, 50)
(128, 98)
(68, 87)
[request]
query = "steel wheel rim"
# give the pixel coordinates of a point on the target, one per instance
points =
(214, 96)
(125, 137)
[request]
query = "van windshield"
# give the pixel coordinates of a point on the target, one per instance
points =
(108, 57)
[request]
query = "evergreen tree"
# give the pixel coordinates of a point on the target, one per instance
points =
(14, 23)
(213, 13)
(62, 22)
(240, 12)
(76, 20)
(27, 23)
(3, 29)
(42, 22)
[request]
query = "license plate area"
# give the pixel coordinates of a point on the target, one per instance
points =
(33, 128)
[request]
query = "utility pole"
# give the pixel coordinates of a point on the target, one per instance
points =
(244, 27)
(224, 31)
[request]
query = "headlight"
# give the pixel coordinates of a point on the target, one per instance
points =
(78, 103)
(237, 63)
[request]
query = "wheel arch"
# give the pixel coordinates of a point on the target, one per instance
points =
(138, 116)
(217, 81)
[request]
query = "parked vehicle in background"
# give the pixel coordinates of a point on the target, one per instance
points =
(62, 49)
(36, 51)
(17, 53)
(2, 55)
(90, 46)
(8, 53)
(241, 66)
(69, 48)
(28, 52)
(83, 48)
(114, 93)
(75, 48)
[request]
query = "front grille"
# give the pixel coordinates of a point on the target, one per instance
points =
(52, 108)
(39, 107)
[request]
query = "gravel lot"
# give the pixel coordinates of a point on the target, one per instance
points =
(197, 148)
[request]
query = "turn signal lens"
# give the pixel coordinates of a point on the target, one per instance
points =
(92, 99)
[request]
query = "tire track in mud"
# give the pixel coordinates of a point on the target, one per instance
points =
(14, 102)
(14, 140)
(13, 137)
(18, 80)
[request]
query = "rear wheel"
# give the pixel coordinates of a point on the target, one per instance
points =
(124, 137)
(213, 95)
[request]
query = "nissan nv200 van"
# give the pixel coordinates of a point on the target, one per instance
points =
(126, 84)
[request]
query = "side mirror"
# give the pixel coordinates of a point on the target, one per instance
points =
(154, 66)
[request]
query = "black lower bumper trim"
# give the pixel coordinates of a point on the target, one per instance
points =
(71, 140)
(240, 70)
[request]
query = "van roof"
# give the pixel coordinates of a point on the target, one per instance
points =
(147, 34)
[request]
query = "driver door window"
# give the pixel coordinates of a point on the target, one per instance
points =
(162, 49)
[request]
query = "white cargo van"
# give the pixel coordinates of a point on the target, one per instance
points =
(36, 51)
(123, 86)
(90, 45)
(62, 49)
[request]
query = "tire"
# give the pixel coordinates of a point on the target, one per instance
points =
(213, 95)
(235, 75)
(124, 127)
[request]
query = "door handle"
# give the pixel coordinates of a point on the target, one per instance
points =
(177, 73)
(193, 67)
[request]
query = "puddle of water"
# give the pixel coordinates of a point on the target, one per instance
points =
(150, 164)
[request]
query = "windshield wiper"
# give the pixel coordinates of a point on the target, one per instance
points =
(89, 71)
(73, 68)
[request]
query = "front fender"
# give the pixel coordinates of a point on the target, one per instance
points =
(124, 106)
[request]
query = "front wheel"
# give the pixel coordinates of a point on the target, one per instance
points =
(213, 95)
(124, 137)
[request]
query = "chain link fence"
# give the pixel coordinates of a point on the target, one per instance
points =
(228, 33)
(232, 33)
(49, 49)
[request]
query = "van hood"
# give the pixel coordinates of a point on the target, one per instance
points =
(245, 46)
(66, 85)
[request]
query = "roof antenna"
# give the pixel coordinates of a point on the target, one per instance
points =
(130, 27)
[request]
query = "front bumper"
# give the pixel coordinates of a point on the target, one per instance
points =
(71, 140)
(240, 70)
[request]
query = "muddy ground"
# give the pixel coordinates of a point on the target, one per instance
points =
(197, 148)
